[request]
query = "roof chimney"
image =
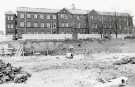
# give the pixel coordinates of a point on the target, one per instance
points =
(73, 6)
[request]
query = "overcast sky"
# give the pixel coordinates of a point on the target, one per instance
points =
(102, 5)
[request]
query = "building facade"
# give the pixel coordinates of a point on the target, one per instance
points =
(109, 22)
(10, 18)
(54, 21)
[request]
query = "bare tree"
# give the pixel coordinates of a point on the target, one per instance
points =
(100, 29)
(116, 24)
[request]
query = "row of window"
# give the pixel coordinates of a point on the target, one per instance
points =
(42, 25)
(42, 16)
(106, 26)
(108, 18)
(64, 25)
(10, 18)
(48, 25)
(35, 16)
(63, 16)
(10, 26)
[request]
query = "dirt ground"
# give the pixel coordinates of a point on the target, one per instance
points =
(94, 62)
(82, 71)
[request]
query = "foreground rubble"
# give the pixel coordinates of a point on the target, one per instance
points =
(79, 71)
(8, 73)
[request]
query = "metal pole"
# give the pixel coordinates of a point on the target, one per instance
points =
(25, 22)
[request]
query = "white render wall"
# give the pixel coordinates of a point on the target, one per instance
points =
(120, 36)
(58, 36)
(67, 36)
(88, 36)
(47, 36)
(6, 38)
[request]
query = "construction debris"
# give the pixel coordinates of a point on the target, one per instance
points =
(69, 55)
(117, 82)
(130, 60)
(8, 73)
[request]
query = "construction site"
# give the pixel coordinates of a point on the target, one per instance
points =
(70, 63)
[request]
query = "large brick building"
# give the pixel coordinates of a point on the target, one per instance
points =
(41, 20)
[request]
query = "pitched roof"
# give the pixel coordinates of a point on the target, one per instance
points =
(112, 13)
(73, 11)
(44, 10)
(10, 12)
(78, 11)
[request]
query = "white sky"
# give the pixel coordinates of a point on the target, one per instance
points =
(102, 5)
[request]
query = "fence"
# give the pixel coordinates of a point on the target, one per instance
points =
(6, 38)
(58, 36)
(68, 36)
(88, 36)
(120, 36)
(47, 36)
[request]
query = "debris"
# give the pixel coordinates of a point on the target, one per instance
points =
(8, 73)
(69, 55)
(130, 60)
(118, 82)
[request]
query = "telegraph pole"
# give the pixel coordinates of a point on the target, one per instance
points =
(15, 29)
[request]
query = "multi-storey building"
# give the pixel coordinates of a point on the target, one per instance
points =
(10, 22)
(109, 22)
(41, 20)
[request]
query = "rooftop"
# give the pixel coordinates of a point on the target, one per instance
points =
(113, 13)
(10, 12)
(45, 10)
(73, 11)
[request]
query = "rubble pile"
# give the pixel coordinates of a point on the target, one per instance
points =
(8, 73)
(130, 60)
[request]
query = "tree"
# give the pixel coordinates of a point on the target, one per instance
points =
(100, 29)
(116, 24)
(15, 28)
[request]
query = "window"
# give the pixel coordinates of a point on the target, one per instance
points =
(28, 24)
(42, 25)
(48, 16)
(54, 25)
(22, 15)
(10, 18)
(105, 25)
(94, 25)
(64, 16)
(8, 26)
(110, 25)
(66, 24)
(54, 16)
(48, 25)
(102, 18)
(91, 17)
(79, 25)
(35, 24)
(11, 26)
(21, 24)
(78, 17)
(41, 16)
(35, 16)
(62, 24)
(28, 15)
(120, 27)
